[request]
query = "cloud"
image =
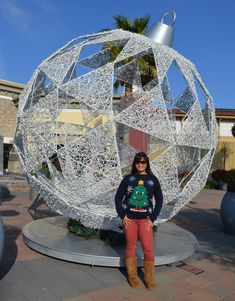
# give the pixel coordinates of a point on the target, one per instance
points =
(15, 15)
(47, 6)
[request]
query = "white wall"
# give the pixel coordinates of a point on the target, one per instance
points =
(5, 97)
(225, 128)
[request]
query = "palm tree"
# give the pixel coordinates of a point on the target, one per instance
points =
(146, 66)
(146, 63)
(138, 25)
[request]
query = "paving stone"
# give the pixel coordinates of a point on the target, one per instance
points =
(178, 273)
(164, 279)
(87, 284)
(80, 298)
(109, 279)
(232, 276)
(202, 295)
(145, 296)
(212, 277)
(220, 270)
(73, 272)
(105, 294)
(51, 278)
(229, 298)
(203, 264)
(166, 293)
(65, 290)
(19, 271)
(182, 287)
(13, 298)
(26, 284)
(28, 275)
(197, 280)
(43, 272)
(184, 298)
(10, 289)
(36, 290)
(227, 282)
(69, 268)
(219, 290)
(126, 290)
(46, 298)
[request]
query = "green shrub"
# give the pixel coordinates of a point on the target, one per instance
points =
(218, 175)
(45, 171)
(211, 185)
(230, 179)
(110, 237)
(154, 229)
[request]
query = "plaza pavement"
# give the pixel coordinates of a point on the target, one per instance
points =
(208, 275)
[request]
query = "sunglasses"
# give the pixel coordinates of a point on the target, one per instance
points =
(141, 162)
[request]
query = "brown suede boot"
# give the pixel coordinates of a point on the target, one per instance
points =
(149, 275)
(131, 266)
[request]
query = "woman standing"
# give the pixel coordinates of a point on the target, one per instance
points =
(134, 206)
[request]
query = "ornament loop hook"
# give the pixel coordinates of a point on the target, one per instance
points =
(169, 12)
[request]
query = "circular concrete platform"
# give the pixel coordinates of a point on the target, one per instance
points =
(50, 236)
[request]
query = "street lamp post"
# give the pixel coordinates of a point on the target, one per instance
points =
(1, 156)
(233, 130)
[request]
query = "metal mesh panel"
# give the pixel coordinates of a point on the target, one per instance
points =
(73, 126)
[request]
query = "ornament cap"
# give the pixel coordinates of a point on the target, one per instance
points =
(161, 32)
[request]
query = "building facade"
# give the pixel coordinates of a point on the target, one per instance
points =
(225, 152)
(9, 98)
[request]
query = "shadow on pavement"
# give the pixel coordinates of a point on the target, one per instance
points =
(206, 225)
(8, 199)
(9, 212)
(42, 213)
(10, 249)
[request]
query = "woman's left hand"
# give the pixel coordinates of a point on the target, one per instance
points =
(149, 224)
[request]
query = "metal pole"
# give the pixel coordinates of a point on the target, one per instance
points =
(1, 156)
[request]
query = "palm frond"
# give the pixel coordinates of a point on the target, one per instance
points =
(141, 24)
(146, 63)
(138, 25)
(123, 22)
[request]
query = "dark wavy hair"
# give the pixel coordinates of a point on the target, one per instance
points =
(138, 157)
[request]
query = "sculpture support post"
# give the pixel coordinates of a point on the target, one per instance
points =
(1, 156)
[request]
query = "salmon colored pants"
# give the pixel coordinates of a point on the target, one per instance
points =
(136, 229)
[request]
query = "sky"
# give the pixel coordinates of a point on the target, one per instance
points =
(31, 30)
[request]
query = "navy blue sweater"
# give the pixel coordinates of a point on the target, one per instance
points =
(134, 197)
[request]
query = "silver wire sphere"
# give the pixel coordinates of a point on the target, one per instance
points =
(71, 125)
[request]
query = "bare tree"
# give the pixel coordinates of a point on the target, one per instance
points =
(226, 151)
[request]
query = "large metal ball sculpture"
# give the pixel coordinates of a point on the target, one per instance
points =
(76, 138)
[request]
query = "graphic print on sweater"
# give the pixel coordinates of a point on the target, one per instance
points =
(139, 198)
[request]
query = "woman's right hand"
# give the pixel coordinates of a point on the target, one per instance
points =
(126, 221)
